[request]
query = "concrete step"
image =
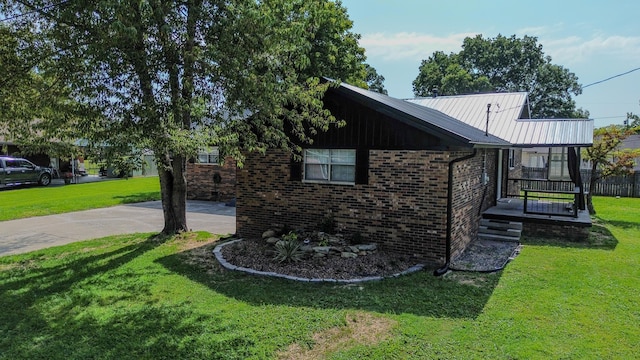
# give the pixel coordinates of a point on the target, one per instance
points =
(505, 232)
(498, 237)
(501, 224)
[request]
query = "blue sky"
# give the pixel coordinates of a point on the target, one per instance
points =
(593, 39)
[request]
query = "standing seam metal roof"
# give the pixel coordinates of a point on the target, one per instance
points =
(505, 119)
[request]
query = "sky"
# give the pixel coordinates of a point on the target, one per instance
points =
(593, 39)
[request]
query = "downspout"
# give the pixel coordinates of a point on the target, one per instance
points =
(499, 175)
(443, 270)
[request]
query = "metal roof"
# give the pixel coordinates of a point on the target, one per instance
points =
(421, 117)
(508, 119)
(553, 132)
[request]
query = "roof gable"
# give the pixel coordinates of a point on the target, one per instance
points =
(423, 118)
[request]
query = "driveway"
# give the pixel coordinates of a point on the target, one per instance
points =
(24, 235)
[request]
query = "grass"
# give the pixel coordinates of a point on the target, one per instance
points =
(16, 203)
(141, 296)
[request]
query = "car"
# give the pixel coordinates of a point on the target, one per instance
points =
(18, 171)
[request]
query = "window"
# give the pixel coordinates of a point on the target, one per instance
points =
(558, 164)
(210, 156)
(512, 158)
(330, 165)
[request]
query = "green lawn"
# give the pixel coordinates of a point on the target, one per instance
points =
(37, 201)
(138, 296)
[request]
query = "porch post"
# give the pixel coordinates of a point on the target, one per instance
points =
(499, 179)
(581, 202)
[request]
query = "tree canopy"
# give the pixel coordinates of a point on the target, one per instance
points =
(606, 156)
(498, 65)
(175, 76)
(375, 81)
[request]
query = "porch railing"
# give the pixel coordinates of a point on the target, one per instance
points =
(547, 197)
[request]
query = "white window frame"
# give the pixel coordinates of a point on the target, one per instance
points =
(329, 165)
(209, 156)
(512, 159)
(563, 161)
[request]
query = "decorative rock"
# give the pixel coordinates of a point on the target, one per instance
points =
(319, 255)
(349, 255)
(272, 240)
(363, 253)
(306, 248)
(269, 233)
(354, 249)
(333, 239)
(322, 249)
(367, 247)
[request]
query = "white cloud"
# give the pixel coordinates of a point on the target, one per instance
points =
(565, 50)
(574, 49)
(409, 46)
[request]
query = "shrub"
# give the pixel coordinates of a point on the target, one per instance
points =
(356, 239)
(288, 249)
(328, 224)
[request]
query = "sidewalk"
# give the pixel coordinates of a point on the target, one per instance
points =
(24, 235)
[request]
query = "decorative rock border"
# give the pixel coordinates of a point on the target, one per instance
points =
(217, 251)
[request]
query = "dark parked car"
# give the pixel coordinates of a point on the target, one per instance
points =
(16, 171)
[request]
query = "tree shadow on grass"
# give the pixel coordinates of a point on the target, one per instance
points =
(94, 306)
(599, 238)
(455, 295)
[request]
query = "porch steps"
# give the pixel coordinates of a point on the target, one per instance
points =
(501, 230)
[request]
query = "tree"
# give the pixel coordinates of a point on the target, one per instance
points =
(375, 81)
(632, 120)
(174, 76)
(502, 64)
(34, 99)
(607, 159)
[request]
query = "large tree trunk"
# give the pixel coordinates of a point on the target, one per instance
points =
(173, 188)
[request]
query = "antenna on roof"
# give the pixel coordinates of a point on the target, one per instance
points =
(486, 131)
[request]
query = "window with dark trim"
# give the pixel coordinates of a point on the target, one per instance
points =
(330, 165)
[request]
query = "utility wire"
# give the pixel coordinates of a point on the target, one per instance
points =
(34, 11)
(613, 77)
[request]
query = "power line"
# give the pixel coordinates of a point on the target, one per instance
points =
(48, 7)
(613, 77)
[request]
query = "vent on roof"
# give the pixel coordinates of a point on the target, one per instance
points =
(434, 92)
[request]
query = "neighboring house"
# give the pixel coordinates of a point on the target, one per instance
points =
(413, 178)
(632, 142)
(11, 149)
(208, 179)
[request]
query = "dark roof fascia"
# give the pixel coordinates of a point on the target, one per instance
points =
(397, 109)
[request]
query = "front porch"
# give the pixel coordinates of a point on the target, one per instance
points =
(545, 222)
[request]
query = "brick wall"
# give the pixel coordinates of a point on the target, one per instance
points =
(200, 184)
(513, 187)
(471, 196)
(556, 231)
(403, 207)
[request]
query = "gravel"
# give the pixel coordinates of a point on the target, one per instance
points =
(257, 255)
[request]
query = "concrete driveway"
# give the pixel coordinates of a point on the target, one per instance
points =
(24, 235)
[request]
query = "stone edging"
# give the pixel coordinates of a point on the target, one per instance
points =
(217, 251)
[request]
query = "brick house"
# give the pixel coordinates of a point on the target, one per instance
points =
(208, 179)
(408, 177)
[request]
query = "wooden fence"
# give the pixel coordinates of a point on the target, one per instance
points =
(624, 186)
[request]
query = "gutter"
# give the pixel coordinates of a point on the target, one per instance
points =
(443, 270)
